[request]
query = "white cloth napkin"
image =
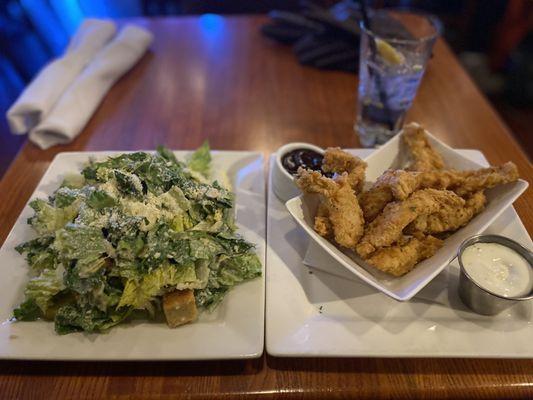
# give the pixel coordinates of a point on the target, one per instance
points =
(80, 100)
(44, 91)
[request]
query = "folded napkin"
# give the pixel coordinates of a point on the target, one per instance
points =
(44, 91)
(76, 106)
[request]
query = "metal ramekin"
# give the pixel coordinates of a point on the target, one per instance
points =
(479, 299)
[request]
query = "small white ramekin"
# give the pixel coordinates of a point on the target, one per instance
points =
(282, 181)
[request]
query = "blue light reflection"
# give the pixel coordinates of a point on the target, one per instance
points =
(212, 25)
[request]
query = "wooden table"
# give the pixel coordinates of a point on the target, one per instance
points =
(218, 78)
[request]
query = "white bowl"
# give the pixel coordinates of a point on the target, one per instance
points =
(282, 181)
(303, 210)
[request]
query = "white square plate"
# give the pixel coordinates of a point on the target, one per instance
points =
(234, 330)
(311, 313)
(303, 209)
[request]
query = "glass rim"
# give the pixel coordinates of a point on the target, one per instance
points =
(435, 22)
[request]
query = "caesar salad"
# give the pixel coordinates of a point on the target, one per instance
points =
(136, 236)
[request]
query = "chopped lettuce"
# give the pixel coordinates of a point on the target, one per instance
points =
(39, 253)
(27, 311)
(100, 199)
(73, 181)
(200, 160)
(139, 294)
(73, 318)
(85, 245)
(49, 218)
(128, 229)
(226, 274)
(40, 289)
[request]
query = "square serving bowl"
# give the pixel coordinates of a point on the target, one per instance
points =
(303, 210)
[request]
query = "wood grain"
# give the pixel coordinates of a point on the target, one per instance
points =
(219, 79)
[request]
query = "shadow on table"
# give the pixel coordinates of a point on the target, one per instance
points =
(427, 366)
(153, 369)
(432, 366)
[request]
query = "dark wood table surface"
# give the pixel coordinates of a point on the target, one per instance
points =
(218, 78)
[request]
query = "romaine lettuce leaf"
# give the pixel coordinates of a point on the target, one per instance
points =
(200, 160)
(236, 269)
(78, 241)
(74, 318)
(27, 311)
(225, 274)
(48, 219)
(73, 181)
(39, 253)
(167, 154)
(85, 245)
(100, 199)
(43, 287)
(139, 294)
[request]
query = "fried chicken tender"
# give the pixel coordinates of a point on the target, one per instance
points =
(391, 184)
(322, 222)
(422, 156)
(388, 226)
(374, 200)
(338, 161)
(399, 259)
(486, 178)
(399, 184)
(449, 217)
(339, 204)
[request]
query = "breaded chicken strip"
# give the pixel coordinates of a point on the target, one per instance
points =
(340, 205)
(399, 259)
(486, 178)
(388, 226)
(391, 184)
(322, 222)
(449, 217)
(422, 156)
(406, 182)
(399, 184)
(374, 200)
(338, 161)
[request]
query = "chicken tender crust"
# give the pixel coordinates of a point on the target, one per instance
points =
(322, 222)
(399, 184)
(486, 178)
(449, 217)
(388, 226)
(423, 157)
(338, 161)
(399, 259)
(339, 203)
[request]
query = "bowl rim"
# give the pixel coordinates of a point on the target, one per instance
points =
(293, 146)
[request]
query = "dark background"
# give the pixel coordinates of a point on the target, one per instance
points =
(493, 39)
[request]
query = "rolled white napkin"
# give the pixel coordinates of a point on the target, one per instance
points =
(44, 91)
(80, 100)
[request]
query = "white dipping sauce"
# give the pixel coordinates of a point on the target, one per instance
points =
(498, 268)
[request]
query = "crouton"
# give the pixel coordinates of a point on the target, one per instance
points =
(179, 307)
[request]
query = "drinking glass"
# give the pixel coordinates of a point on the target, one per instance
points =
(394, 51)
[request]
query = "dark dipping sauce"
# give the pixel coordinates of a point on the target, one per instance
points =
(305, 158)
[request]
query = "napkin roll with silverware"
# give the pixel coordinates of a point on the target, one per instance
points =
(59, 102)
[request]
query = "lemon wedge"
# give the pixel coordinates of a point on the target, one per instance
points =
(389, 53)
